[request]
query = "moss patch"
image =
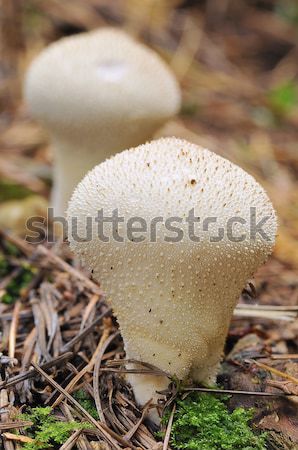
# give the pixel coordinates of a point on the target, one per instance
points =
(86, 402)
(203, 422)
(47, 431)
(21, 281)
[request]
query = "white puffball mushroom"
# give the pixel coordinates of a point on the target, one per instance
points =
(97, 93)
(173, 300)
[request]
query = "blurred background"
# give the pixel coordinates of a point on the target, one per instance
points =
(237, 64)
(236, 61)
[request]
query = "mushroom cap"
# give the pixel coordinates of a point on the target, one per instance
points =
(156, 287)
(102, 79)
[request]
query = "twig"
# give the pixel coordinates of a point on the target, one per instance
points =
(90, 306)
(135, 428)
(96, 372)
(286, 356)
(135, 371)
(68, 445)
(149, 368)
(13, 328)
(169, 428)
(13, 425)
(275, 371)
(233, 392)
(268, 307)
(267, 312)
(86, 331)
(19, 438)
(31, 373)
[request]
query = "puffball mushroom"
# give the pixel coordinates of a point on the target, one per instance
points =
(97, 93)
(173, 300)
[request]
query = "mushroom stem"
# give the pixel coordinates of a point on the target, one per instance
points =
(145, 388)
(72, 161)
(68, 170)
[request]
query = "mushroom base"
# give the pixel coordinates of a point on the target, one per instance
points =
(202, 369)
(145, 388)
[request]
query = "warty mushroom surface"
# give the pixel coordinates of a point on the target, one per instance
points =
(173, 300)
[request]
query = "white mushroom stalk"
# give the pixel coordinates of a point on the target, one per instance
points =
(97, 93)
(173, 292)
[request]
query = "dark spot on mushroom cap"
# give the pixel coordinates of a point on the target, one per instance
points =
(161, 321)
(150, 310)
(193, 182)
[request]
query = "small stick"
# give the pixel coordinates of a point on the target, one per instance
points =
(169, 428)
(136, 371)
(275, 371)
(18, 437)
(13, 425)
(149, 367)
(86, 331)
(68, 445)
(13, 329)
(287, 356)
(96, 372)
(267, 307)
(31, 373)
(135, 428)
(231, 391)
(91, 304)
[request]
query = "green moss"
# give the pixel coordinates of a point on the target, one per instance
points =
(283, 98)
(21, 281)
(86, 402)
(203, 422)
(288, 11)
(189, 109)
(11, 249)
(4, 266)
(10, 191)
(47, 431)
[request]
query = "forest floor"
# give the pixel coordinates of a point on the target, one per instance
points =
(237, 63)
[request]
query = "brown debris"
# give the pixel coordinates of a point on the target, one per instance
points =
(59, 337)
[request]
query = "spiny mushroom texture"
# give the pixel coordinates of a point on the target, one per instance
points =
(173, 300)
(97, 93)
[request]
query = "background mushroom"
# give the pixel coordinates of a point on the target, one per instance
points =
(173, 300)
(97, 93)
